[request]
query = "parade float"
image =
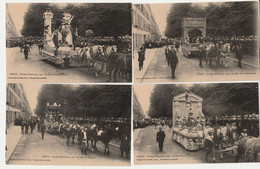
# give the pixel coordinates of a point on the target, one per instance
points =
(188, 121)
(58, 44)
(192, 28)
(53, 117)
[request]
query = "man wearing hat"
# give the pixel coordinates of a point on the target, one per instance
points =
(173, 60)
(141, 58)
(160, 138)
(210, 145)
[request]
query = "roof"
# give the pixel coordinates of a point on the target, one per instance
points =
(194, 98)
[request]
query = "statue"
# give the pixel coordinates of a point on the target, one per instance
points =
(66, 29)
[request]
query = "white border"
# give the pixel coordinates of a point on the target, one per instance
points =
(3, 92)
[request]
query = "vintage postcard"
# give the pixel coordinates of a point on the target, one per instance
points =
(199, 41)
(86, 125)
(68, 43)
(196, 123)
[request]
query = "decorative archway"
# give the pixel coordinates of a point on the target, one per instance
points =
(191, 24)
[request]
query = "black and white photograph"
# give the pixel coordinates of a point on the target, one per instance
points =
(69, 43)
(196, 123)
(198, 41)
(76, 125)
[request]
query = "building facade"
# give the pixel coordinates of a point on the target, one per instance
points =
(10, 27)
(17, 104)
(144, 27)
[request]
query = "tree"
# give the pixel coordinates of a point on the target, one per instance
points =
(87, 101)
(223, 18)
(104, 19)
(218, 99)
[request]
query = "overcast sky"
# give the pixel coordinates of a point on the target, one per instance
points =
(32, 91)
(160, 13)
(143, 93)
(17, 12)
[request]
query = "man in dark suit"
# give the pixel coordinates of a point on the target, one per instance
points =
(43, 128)
(160, 138)
(141, 58)
(173, 60)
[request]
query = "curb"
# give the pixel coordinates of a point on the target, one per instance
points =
(244, 63)
(7, 160)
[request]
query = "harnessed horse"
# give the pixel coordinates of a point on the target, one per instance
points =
(90, 56)
(212, 54)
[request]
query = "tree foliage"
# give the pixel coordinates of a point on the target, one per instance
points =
(87, 101)
(219, 99)
(226, 18)
(104, 19)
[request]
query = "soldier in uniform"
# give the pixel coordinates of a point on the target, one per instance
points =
(141, 58)
(173, 60)
(160, 138)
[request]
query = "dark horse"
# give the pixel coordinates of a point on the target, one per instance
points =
(105, 136)
(119, 62)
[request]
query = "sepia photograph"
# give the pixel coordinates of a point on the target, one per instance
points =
(76, 125)
(198, 41)
(196, 123)
(69, 43)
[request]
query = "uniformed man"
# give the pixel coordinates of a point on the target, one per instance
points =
(160, 138)
(173, 60)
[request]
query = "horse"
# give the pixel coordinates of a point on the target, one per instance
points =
(225, 137)
(248, 147)
(104, 135)
(91, 55)
(224, 53)
(212, 54)
(119, 61)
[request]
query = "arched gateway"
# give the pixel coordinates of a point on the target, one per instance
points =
(193, 27)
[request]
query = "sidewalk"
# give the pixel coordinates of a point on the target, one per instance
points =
(149, 55)
(248, 60)
(136, 133)
(12, 138)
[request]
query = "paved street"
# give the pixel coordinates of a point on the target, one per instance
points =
(156, 69)
(53, 150)
(145, 147)
(34, 67)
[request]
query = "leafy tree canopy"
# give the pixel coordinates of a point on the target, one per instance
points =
(90, 101)
(219, 99)
(104, 19)
(226, 18)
